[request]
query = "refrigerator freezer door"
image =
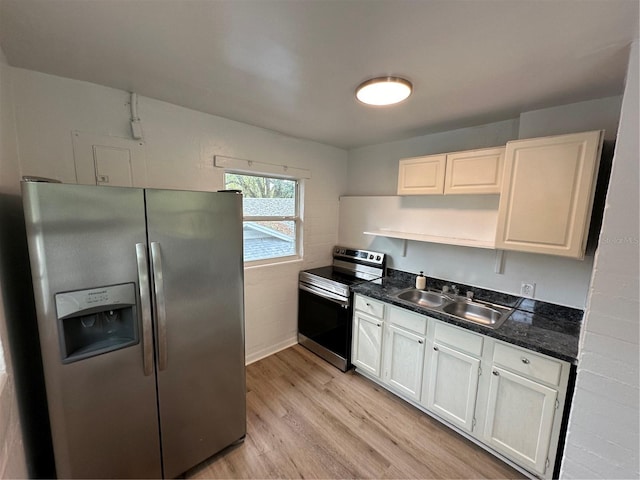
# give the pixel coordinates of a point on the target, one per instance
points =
(196, 240)
(102, 408)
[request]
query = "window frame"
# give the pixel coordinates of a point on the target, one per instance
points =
(296, 218)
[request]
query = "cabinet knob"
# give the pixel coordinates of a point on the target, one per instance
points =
(495, 373)
(420, 342)
(435, 348)
(525, 360)
(379, 324)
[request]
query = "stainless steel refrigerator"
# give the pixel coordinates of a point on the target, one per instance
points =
(139, 298)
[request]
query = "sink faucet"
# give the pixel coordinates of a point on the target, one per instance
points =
(453, 289)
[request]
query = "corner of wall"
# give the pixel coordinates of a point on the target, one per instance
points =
(602, 434)
(12, 454)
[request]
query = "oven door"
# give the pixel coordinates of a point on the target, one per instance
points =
(324, 325)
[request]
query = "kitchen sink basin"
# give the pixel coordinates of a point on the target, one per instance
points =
(423, 298)
(487, 314)
(491, 316)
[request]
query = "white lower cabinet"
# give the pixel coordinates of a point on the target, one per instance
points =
(524, 407)
(451, 379)
(519, 420)
(507, 397)
(404, 359)
(453, 385)
(366, 351)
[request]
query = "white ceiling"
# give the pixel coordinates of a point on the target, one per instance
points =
(292, 65)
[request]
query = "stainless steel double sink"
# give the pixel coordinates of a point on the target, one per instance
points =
(474, 311)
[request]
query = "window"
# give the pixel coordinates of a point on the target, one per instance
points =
(271, 223)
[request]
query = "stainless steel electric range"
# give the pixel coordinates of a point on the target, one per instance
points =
(325, 302)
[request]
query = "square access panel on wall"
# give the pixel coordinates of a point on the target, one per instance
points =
(104, 160)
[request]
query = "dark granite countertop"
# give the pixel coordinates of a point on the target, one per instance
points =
(539, 326)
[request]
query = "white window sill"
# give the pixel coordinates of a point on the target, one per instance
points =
(272, 262)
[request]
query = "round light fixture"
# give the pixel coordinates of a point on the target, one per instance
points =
(384, 90)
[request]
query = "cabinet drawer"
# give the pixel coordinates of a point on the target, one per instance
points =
(408, 320)
(458, 338)
(370, 306)
(528, 363)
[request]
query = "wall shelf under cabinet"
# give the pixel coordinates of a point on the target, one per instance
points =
(420, 237)
(461, 242)
(460, 220)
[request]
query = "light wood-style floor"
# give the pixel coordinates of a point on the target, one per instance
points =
(306, 419)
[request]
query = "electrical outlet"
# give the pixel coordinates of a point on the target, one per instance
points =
(527, 289)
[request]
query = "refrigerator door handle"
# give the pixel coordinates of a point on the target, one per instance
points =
(158, 282)
(145, 304)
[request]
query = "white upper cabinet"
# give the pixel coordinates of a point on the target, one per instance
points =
(422, 175)
(469, 172)
(547, 194)
(475, 171)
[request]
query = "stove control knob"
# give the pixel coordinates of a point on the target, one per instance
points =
(371, 257)
(378, 258)
(337, 250)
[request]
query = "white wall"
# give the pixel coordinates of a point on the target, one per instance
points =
(602, 440)
(601, 114)
(12, 458)
(180, 145)
(373, 170)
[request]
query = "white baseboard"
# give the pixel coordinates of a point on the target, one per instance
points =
(252, 357)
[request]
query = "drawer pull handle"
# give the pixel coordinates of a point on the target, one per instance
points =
(435, 348)
(525, 360)
(368, 304)
(495, 373)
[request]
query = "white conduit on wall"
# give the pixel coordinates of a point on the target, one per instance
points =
(136, 126)
(251, 166)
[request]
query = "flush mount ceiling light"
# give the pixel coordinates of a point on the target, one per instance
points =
(384, 90)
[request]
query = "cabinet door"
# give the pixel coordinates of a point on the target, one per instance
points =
(547, 194)
(366, 351)
(453, 385)
(475, 171)
(520, 418)
(422, 175)
(404, 357)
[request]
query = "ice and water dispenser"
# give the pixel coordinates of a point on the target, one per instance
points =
(96, 321)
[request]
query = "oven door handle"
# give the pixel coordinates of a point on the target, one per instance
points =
(324, 294)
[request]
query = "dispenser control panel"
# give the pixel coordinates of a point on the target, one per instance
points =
(96, 321)
(71, 304)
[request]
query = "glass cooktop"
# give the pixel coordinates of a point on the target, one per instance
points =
(338, 276)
